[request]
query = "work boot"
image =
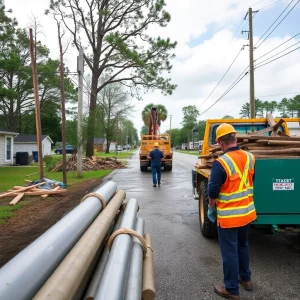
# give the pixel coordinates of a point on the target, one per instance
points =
(154, 185)
(247, 285)
(158, 183)
(221, 291)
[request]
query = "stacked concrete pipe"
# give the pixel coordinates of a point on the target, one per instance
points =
(23, 276)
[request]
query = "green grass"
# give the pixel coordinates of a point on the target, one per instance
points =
(196, 153)
(8, 211)
(11, 176)
(120, 154)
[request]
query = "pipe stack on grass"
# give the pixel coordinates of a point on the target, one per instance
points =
(76, 257)
(24, 275)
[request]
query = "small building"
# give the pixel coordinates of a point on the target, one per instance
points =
(7, 146)
(28, 143)
(100, 144)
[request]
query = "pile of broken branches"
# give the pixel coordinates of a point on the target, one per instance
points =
(276, 145)
(90, 164)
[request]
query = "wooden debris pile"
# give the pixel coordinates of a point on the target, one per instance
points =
(18, 192)
(91, 164)
(276, 145)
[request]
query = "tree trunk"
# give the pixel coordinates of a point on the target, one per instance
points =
(91, 121)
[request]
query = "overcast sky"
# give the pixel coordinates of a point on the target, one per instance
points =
(207, 44)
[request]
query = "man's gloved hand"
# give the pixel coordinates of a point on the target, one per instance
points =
(212, 214)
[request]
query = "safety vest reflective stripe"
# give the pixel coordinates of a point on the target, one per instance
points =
(235, 196)
(228, 162)
(236, 212)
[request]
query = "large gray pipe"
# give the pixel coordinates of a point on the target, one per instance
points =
(134, 285)
(93, 287)
(23, 276)
(114, 279)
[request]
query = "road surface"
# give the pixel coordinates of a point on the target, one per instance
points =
(187, 265)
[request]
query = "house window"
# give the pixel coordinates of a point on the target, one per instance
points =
(8, 148)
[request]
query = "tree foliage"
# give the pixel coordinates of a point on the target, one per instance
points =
(16, 87)
(162, 113)
(118, 46)
(285, 108)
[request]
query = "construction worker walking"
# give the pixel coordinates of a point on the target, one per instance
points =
(156, 157)
(230, 191)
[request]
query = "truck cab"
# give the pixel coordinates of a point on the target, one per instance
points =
(277, 209)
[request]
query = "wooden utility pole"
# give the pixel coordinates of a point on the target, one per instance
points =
(37, 105)
(117, 132)
(170, 133)
(63, 113)
(252, 95)
(80, 108)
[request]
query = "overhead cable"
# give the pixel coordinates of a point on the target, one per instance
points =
(222, 77)
(277, 24)
(277, 58)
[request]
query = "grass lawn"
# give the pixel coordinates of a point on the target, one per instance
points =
(8, 211)
(196, 153)
(119, 154)
(15, 175)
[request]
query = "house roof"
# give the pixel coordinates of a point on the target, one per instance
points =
(5, 130)
(99, 141)
(27, 138)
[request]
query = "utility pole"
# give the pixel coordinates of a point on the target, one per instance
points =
(117, 132)
(170, 133)
(79, 121)
(252, 96)
(63, 113)
(37, 106)
(251, 62)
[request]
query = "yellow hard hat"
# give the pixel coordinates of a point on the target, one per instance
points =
(156, 144)
(224, 129)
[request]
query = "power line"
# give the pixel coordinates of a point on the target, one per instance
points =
(270, 5)
(225, 93)
(279, 53)
(223, 76)
(278, 57)
(278, 46)
(277, 24)
(257, 3)
(279, 95)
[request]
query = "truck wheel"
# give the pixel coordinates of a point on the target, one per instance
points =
(208, 229)
(143, 168)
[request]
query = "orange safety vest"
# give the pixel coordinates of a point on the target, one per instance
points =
(235, 206)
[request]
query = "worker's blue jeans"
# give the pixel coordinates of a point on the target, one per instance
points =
(235, 254)
(156, 169)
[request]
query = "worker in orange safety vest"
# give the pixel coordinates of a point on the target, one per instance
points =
(230, 191)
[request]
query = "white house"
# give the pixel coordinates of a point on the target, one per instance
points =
(28, 143)
(7, 146)
(294, 128)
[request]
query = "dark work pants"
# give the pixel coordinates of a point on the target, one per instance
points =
(156, 169)
(235, 254)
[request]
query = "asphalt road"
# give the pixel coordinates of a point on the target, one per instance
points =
(187, 265)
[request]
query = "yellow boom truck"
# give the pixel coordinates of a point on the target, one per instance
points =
(276, 191)
(147, 144)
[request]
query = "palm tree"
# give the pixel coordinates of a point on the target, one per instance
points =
(161, 111)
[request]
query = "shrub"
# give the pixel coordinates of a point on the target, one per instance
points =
(51, 161)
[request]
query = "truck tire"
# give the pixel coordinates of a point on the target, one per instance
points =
(168, 168)
(143, 168)
(208, 229)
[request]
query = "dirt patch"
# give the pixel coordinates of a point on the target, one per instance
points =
(37, 216)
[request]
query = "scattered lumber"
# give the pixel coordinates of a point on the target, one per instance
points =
(16, 199)
(21, 190)
(44, 196)
(276, 145)
(91, 164)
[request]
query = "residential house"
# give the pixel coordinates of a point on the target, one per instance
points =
(100, 144)
(28, 143)
(7, 146)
